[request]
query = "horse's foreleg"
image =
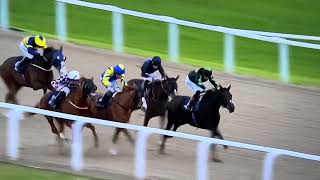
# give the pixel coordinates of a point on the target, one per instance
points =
(54, 129)
(217, 133)
(126, 132)
(116, 135)
(61, 129)
(113, 150)
(164, 138)
(213, 148)
(147, 117)
(93, 129)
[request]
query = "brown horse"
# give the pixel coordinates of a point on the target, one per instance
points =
(38, 75)
(119, 110)
(75, 103)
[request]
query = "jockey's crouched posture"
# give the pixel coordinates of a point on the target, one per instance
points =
(109, 79)
(63, 86)
(30, 46)
(149, 73)
(194, 81)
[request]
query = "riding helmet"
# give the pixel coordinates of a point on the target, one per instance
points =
(156, 61)
(74, 75)
(119, 69)
(207, 72)
(40, 41)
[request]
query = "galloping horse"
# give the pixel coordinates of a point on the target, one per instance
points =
(38, 75)
(75, 103)
(206, 116)
(157, 96)
(119, 109)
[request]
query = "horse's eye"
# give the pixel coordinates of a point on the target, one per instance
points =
(231, 101)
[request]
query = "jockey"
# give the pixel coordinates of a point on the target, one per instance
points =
(149, 71)
(30, 46)
(63, 86)
(195, 80)
(109, 80)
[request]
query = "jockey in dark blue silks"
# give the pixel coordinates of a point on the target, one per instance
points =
(150, 72)
(30, 46)
(194, 81)
(63, 86)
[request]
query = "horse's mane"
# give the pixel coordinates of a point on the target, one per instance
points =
(129, 88)
(211, 94)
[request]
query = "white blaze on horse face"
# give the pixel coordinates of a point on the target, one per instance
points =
(61, 136)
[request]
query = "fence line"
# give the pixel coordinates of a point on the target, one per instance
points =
(77, 154)
(229, 53)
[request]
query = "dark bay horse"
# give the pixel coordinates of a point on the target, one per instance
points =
(38, 75)
(206, 116)
(119, 109)
(157, 96)
(75, 103)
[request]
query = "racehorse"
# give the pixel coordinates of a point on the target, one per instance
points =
(157, 96)
(119, 109)
(206, 115)
(75, 103)
(37, 75)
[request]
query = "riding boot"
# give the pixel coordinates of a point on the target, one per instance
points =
(190, 105)
(145, 85)
(20, 65)
(102, 102)
(56, 99)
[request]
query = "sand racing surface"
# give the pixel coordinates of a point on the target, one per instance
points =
(266, 113)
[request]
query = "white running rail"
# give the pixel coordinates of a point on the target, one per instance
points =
(173, 35)
(14, 117)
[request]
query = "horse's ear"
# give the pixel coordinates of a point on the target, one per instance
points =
(177, 77)
(61, 48)
(229, 87)
(220, 87)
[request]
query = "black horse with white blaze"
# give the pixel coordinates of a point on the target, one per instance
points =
(206, 115)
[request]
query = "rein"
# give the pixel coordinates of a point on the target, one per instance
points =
(78, 107)
(127, 109)
(39, 67)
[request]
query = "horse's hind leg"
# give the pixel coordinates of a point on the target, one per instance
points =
(12, 92)
(93, 129)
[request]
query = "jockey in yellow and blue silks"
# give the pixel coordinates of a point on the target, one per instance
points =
(30, 46)
(109, 79)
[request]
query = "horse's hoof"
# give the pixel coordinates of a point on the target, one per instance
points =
(113, 152)
(162, 152)
(225, 146)
(217, 160)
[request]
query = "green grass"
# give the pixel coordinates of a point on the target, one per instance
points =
(147, 37)
(15, 172)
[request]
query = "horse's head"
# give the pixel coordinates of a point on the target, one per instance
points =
(88, 86)
(170, 85)
(226, 98)
(55, 57)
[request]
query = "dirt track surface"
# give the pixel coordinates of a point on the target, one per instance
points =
(267, 113)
